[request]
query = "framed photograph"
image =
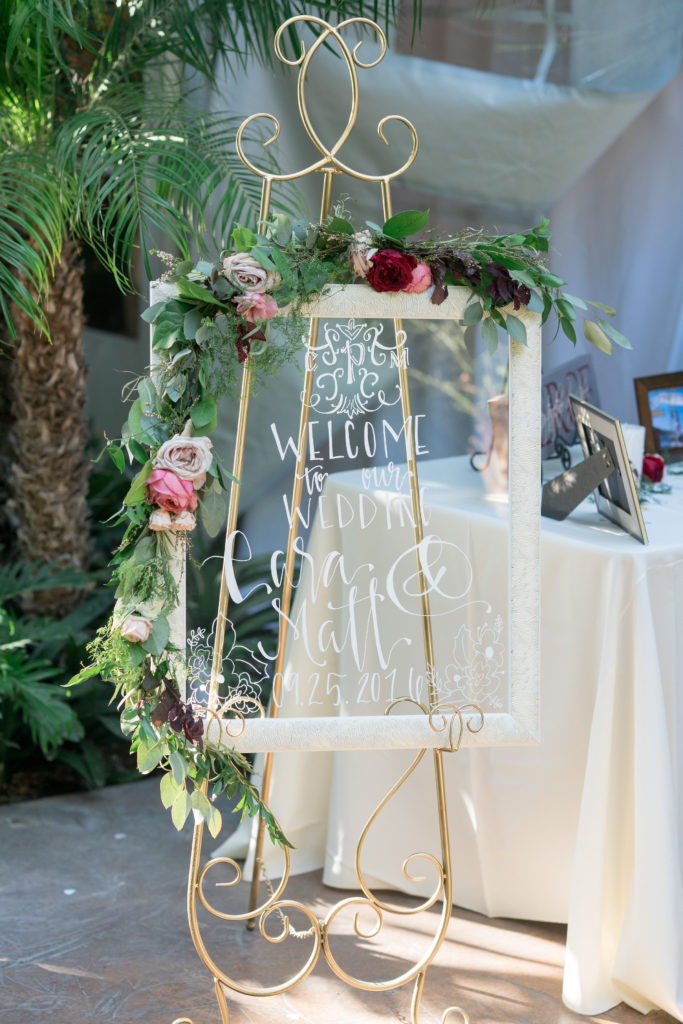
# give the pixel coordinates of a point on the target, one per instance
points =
(616, 497)
(660, 410)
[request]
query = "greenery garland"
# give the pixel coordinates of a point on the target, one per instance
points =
(219, 315)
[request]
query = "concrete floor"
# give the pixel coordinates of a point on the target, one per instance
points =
(93, 929)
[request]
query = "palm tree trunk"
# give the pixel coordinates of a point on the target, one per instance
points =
(49, 474)
(6, 420)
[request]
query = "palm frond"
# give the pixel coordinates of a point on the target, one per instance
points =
(141, 169)
(31, 230)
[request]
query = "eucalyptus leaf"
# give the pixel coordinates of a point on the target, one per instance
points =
(153, 311)
(149, 756)
(180, 809)
(169, 790)
(145, 549)
(515, 328)
(156, 642)
(535, 303)
(222, 288)
(148, 396)
(214, 820)
(597, 336)
(200, 804)
(191, 323)
(213, 512)
(178, 766)
(473, 313)
(166, 330)
(489, 333)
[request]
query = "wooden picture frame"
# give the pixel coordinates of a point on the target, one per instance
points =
(653, 397)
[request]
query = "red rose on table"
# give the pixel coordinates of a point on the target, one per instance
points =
(168, 491)
(653, 468)
(391, 271)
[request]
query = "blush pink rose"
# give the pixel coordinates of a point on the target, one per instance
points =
(422, 278)
(168, 491)
(256, 306)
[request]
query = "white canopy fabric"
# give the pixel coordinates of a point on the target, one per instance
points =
(491, 139)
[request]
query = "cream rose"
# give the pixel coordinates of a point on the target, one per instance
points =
(360, 253)
(136, 629)
(247, 275)
(159, 520)
(188, 457)
(184, 521)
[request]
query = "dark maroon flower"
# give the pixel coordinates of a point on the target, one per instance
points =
(464, 266)
(503, 289)
(391, 271)
(245, 335)
(181, 719)
(440, 291)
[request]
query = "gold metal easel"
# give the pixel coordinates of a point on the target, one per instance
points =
(442, 717)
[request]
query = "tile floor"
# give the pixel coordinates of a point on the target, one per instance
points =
(93, 929)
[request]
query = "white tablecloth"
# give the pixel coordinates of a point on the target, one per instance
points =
(584, 828)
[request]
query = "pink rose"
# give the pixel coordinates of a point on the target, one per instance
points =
(168, 491)
(136, 629)
(256, 306)
(422, 278)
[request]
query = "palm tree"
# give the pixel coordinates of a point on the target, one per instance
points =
(100, 144)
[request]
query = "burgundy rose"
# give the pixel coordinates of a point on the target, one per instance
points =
(391, 271)
(653, 468)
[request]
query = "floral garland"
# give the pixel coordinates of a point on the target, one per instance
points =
(221, 314)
